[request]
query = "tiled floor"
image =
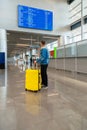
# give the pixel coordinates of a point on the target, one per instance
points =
(62, 107)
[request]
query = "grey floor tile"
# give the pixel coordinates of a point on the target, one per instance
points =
(62, 107)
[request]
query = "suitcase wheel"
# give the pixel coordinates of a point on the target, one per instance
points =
(35, 91)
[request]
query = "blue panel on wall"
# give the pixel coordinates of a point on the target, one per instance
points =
(2, 58)
(34, 18)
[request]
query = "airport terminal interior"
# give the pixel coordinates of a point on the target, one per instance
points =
(62, 24)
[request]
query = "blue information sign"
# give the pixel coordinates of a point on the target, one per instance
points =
(34, 18)
(2, 58)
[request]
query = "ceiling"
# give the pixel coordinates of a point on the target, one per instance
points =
(18, 42)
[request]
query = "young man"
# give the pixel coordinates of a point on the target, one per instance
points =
(43, 61)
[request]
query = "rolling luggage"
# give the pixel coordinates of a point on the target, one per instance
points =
(33, 80)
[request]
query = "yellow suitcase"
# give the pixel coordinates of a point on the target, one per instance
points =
(33, 80)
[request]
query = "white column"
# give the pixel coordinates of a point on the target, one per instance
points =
(3, 44)
(82, 20)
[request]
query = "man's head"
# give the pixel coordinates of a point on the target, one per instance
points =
(42, 44)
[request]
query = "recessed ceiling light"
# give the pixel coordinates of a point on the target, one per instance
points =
(50, 37)
(22, 45)
(26, 39)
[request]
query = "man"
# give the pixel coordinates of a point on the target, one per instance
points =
(31, 61)
(43, 61)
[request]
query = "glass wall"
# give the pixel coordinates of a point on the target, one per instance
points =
(78, 20)
(85, 19)
(74, 18)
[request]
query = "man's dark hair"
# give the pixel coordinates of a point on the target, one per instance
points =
(43, 42)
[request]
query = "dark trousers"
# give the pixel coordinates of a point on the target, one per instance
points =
(44, 74)
(2, 66)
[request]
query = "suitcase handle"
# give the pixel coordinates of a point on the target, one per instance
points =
(39, 78)
(35, 67)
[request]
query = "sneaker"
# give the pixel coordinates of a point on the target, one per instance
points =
(45, 87)
(42, 85)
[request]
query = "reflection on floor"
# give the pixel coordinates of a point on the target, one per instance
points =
(62, 107)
